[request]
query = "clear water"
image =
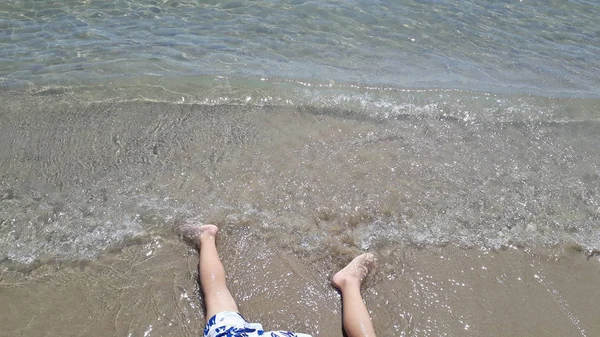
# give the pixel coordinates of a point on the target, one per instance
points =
(544, 47)
(365, 124)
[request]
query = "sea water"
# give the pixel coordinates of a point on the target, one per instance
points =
(316, 124)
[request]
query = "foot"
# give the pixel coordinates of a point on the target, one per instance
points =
(355, 272)
(199, 233)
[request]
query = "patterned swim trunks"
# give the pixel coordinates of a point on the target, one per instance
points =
(232, 324)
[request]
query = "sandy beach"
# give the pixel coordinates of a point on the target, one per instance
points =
(150, 289)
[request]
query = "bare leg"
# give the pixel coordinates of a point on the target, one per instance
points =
(356, 318)
(217, 297)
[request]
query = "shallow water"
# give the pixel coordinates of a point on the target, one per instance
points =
(80, 178)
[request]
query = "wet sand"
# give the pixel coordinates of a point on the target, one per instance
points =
(297, 192)
(150, 289)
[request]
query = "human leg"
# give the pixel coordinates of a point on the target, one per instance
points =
(355, 317)
(217, 297)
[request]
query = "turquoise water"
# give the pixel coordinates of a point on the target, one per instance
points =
(384, 123)
(543, 47)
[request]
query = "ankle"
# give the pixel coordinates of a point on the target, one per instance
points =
(205, 239)
(347, 282)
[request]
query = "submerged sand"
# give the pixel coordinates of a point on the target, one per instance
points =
(298, 191)
(151, 290)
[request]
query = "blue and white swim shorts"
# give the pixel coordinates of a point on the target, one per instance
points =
(232, 324)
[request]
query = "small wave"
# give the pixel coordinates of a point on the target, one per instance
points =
(84, 171)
